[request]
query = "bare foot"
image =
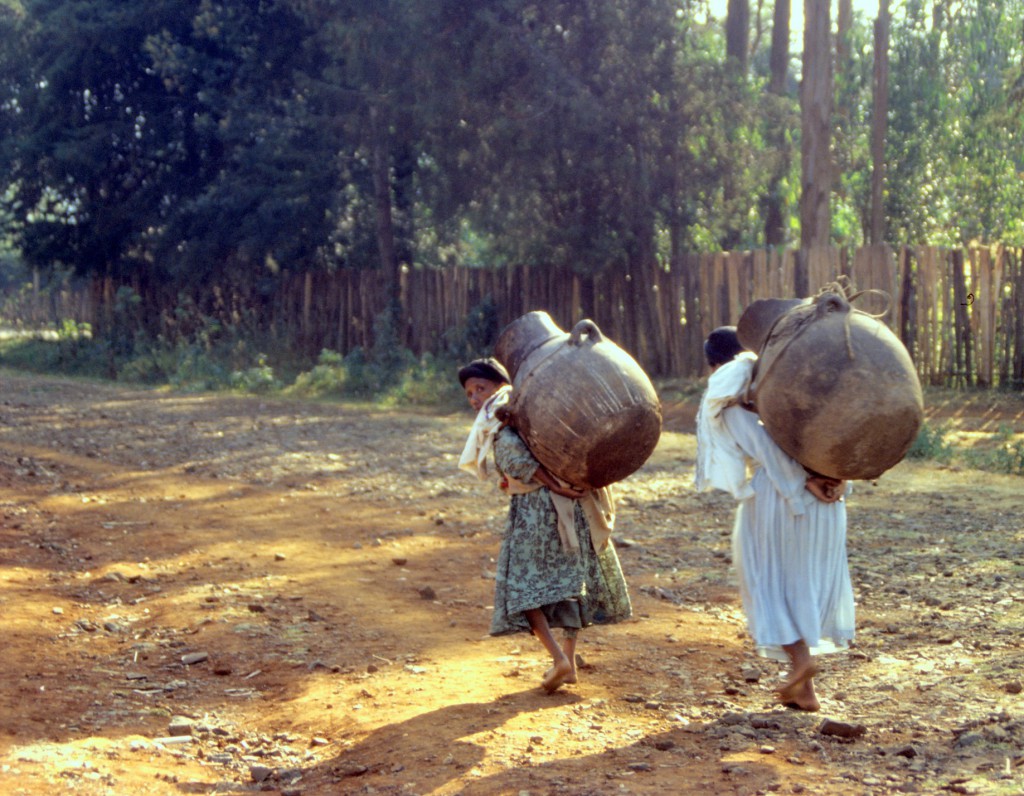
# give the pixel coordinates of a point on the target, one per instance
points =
(804, 699)
(798, 690)
(557, 676)
(569, 679)
(570, 653)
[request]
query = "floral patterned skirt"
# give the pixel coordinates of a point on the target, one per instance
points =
(573, 589)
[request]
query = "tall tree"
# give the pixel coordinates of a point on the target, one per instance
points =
(774, 201)
(260, 138)
(816, 114)
(377, 44)
(843, 78)
(96, 138)
(879, 123)
(952, 164)
(737, 35)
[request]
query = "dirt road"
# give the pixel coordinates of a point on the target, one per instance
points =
(231, 595)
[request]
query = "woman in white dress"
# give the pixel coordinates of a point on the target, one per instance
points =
(789, 541)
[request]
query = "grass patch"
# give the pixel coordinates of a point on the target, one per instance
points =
(1006, 456)
(932, 442)
(207, 356)
(998, 452)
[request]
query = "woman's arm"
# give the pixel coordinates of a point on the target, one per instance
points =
(785, 473)
(548, 480)
(515, 459)
(827, 490)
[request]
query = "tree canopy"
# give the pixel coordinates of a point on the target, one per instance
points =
(192, 140)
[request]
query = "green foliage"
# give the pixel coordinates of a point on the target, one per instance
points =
(12, 270)
(373, 373)
(257, 379)
(931, 443)
(325, 380)
(68, 349)
(196, 351)
(149, 365)
(124, 331)
(202, 354)
(429, 381)
(953, 150)
(191, 369)
(387, 373)
(476, 336)
(93, 130)
(192, 366)
(1006, 457)
(184, 143)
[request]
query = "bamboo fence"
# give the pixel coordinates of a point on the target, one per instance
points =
(958, 311)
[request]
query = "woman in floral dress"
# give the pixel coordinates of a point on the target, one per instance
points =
(550, 574)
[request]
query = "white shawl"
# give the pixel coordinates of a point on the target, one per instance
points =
(720, 462)
(481, 436)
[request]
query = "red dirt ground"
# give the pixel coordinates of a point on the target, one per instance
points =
(209, 594)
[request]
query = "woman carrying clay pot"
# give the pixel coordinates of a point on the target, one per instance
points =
(552, 572)
(789, 541)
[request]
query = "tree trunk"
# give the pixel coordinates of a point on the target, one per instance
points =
(1017, 314)
(844, 26)
(403, 189)
(382, 204)
(879, 123)
(737, 35)
(774, 218)
(816, 114)
(779, 58)
(843, 82)
(642, 259)
(962, 370)
(737, 45)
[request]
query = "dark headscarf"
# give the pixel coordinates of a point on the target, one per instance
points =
(490, 369)
(722, 345)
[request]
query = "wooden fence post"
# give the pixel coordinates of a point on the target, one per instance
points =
(962, 374)
(959, 313)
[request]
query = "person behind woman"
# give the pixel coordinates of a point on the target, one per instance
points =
(789, 540)
(552, 572)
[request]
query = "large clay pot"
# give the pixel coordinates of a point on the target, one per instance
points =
(583, 406)
(834, 387)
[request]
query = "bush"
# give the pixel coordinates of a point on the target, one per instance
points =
(195, 371)
(201, 352)
(1007, 457)
(326, 379)
(431, 382)
(123, 335)
(428, 381)
(67, 349)
(477, 334)
(257, 379)
(931, 443)
(376, 372)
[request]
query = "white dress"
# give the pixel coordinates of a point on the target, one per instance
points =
(789, 548)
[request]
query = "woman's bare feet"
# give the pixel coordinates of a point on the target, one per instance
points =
(564, 664)
(558, 675)
(569, 648)
(798, 690)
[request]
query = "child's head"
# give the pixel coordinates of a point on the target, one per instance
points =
(481, 378)
(722, 346)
